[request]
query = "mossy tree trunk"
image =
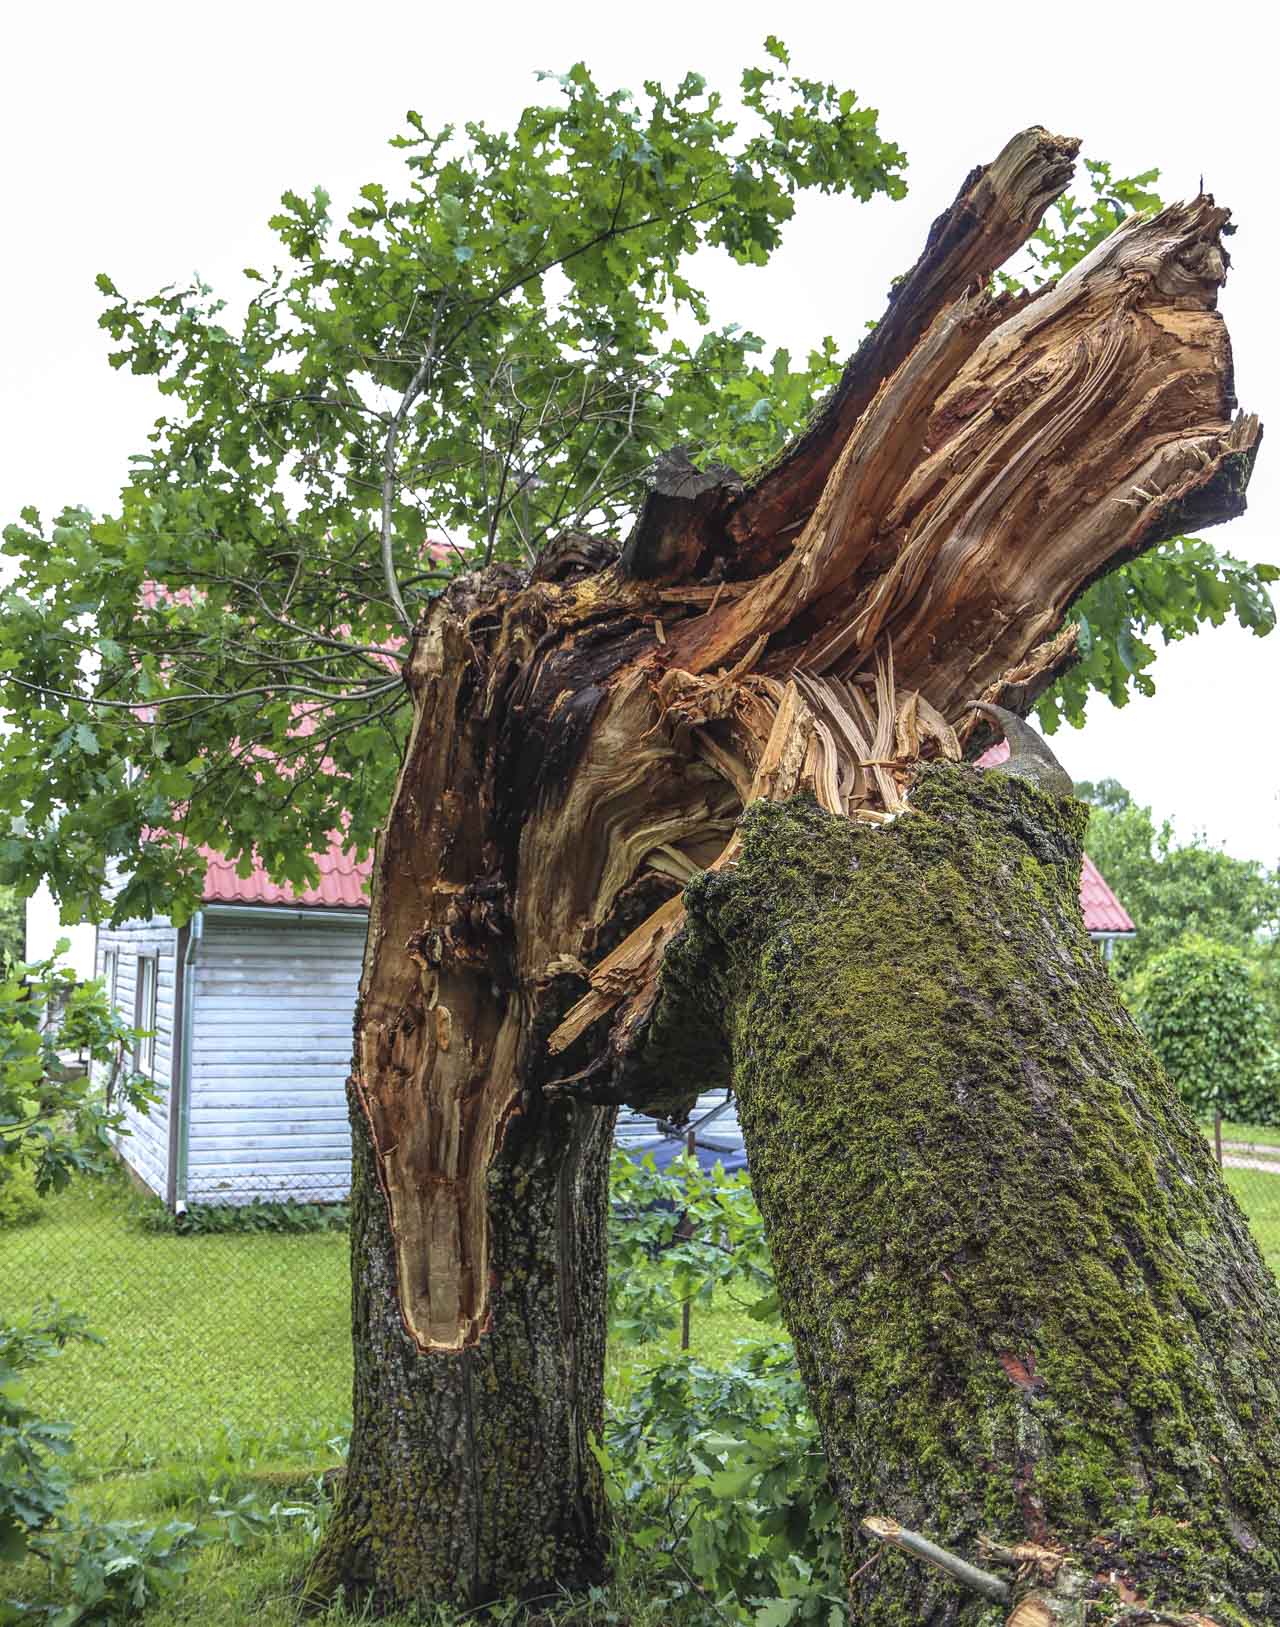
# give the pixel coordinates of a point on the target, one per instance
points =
(1026, 1308)
(585, 739)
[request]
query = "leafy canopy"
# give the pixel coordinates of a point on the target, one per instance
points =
(13, 926)
(485, 359)
(1173, 889)
(458, 371)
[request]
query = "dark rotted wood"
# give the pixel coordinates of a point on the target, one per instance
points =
(682, 517)
(573, 555)
(996, 209)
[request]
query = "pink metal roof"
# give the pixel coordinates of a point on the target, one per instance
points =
(1103, 911)
(343, 882)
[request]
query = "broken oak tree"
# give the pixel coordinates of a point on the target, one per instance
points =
(585, 740)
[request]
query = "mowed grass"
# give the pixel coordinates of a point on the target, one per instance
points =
(226, 1369)
(231, 1338)
(203, 1336)
(1258, 1193)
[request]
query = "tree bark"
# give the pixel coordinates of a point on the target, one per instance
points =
(585, 740)
(1028, 1312)
(470, 1475)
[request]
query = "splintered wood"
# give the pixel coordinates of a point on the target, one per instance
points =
(854, 747)
(588, 734)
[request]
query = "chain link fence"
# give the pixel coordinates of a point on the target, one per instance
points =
(231, 1326)
(1250, 1158)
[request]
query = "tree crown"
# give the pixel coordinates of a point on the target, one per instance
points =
(450, 377)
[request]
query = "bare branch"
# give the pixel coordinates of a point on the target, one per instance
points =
(418, 383)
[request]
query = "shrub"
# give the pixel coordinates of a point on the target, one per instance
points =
(1211, 1031)
(33, 1484)
(723, 1481)
(55, 1122)
(20, 1204)
(718, 1473)
(260, 1215)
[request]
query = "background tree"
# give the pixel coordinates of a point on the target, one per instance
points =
(13, 926)
(1199, 1009)
(585, 729)
(1173, 888)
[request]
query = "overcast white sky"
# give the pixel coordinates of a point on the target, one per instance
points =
(153, 140)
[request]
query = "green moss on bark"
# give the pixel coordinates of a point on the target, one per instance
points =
(1022, 1298)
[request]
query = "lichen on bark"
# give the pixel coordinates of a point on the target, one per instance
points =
(1023, 1301)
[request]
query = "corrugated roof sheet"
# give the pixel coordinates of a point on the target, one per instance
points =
(343, 882)
(1103, 911)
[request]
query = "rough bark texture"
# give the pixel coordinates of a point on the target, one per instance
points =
(470, 1476)
(1025, 1305)
(585, 739)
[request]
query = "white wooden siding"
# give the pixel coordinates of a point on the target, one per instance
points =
(271, 1050)
(146, 1148)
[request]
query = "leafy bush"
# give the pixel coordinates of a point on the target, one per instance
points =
(1197, 1004)
(13, 926)
(20, 1203)
(59, 1123)
(718, 1471)
(723, 1480)
(113, 1569)
(205, 1219)
(33, 1484)
(678, 1236)
(107, 1570)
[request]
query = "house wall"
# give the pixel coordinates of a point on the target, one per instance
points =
(146, 1148)
(273, 1004)
(714, 1122)
(271, 1050)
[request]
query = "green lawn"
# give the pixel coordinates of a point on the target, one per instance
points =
(1259, 1196)
(224, 1342)
(226, 1368)
(242, 1343)
(204, 1336)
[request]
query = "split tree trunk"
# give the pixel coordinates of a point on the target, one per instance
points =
(585, 740)
(1026, 1309)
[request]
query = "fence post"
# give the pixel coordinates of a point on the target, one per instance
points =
(691, 1147)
